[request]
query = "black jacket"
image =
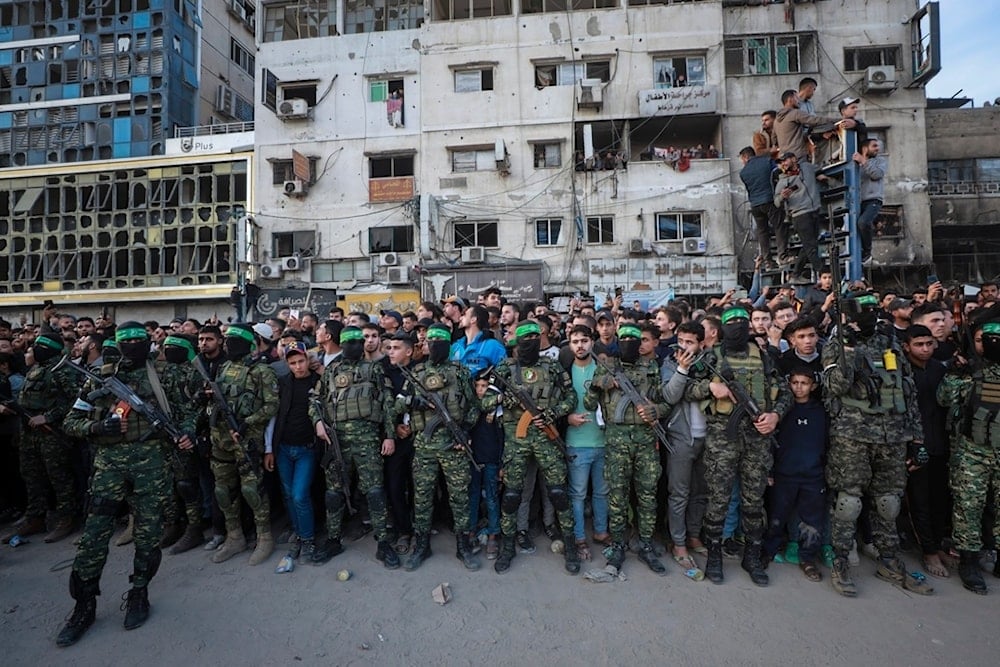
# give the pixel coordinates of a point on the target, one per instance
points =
(284, 406)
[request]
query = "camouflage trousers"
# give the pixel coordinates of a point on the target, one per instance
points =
(630, 455)
(361, 446)
(182, 473)
(746, 457)
(974, 468)
(428, 456)
(45, 461)
(856, 469)
(550, 462)
(134, 473)
(235, 476)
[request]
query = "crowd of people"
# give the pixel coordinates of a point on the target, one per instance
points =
(765, 428)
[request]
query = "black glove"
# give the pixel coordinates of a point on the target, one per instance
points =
(417, 402)
(917, 453)
(109, 426)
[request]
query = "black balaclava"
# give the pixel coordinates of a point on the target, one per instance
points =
(735, 330)
(529, 342)
(133, 341)
(865, 315)
(47, 347)
(239, 341)
(438, 343)
(352, 343)
(628, 343)
(991, 342)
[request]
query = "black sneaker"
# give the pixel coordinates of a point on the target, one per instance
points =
(731, 549)
(323, 554)
(524, 543)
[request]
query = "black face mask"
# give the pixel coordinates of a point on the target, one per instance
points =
(175, 355)
(735, 336)
(44, 353)
(135, 351)
(527, 350)
(438, 351)
(866, 321)
(236, 348)
(628, 349)
(353, 349)
(111, 355)
(991, 348)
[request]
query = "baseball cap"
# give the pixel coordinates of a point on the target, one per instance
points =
(295, 348)
(897, 304)
(605, 315)
(457, 300)
(264, 330)
(403, 336)
(846, 102)
(394, 314)
(424, 322)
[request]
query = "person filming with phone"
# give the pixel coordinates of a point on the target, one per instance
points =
(800, 196)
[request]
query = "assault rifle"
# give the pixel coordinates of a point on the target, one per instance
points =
(632, 397)
(26, 416)
(333, 452)
(531, 411)
(441, 416)
(220, 402)
(745, 403)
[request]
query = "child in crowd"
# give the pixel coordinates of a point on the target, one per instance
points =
(487, 447)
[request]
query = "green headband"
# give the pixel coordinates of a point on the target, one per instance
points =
(240, 332)
(109, 343)
(132, 333)
(629, 331)
(177, 341)
(353, 334)
(991, 328)
(438, 333)
(734, 314)
(867, 300)
(527, 329)
(48, 342)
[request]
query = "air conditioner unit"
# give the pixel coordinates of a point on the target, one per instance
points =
(501, 157)
(879, 78)
(473, 255)
(293, 108)
(293, 263)
(388, 259)
(397, 275)
(640, 246)
(296, 188)
(272, 270)
(589, 94)
(224, 100)
(695, 246)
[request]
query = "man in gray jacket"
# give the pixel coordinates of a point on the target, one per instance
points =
(873, 170)
(686, 430)
(799, 193)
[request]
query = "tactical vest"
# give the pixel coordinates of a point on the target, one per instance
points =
(354, 394)
(644, 377)
(753, 372)
(138, 427)
(233, 380)
(537, 381)
(891, 399)
(442, 380)
(982, 411)
(35, 394)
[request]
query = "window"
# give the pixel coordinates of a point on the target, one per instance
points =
(674, 71)
(390, 239)
(451, 10)
(771, 54)
(297, 90)
(473, 80)
(298, 20)
(473, 160)
(677, 226)
(245, 11)
(889, 222)
(390, 165)
(601, 229)
(861, 58)
(349, 269)
(548, 231)
(286, 244)
(241, 56)
(548, 155)
(281, 171)
(363, 16)
(951, 171)
(541, 6)
(567, 74)
(379, 90)
(476, 234)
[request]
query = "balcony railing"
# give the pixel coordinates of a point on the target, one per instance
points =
(217, 128)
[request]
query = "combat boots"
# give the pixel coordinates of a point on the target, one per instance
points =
(893, 570)
(647, 554)
(235, 544)
(840, 578)
(615, 554)
(571, 557)
(502, 563)
(171, 533)
(332, 547)
(752, 564)
(26, 525)
(264, 548)
(135, 604)
(85, 593)
(463, 550)
(421, 552)
(968, 571)
(63, 528)
(713, 566)
(388, 555)
(191, 538)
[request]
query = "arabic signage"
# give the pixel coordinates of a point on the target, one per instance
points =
(390, 189)
(680, 274)
(272, 301)
(374, 302)
(674, 101)
(518, 283)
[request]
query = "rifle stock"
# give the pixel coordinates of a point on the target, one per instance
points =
(531, 411)
(442, 416)
(635, 397)
(227, 412)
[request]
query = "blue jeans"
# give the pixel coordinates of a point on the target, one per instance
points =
(869, 211)
(487, 479)
(588, 466)
(733, 513)
(296, 467)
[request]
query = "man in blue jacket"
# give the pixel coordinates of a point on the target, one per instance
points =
(477, 350)
(757, 177)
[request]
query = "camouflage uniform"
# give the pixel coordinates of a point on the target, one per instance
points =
(631, 446)
(45, 453)
(251, 390)
(356, 397)
(868, 436)
(182, 469)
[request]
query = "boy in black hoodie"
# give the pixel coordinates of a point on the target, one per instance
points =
(798, 481)
(487, 448)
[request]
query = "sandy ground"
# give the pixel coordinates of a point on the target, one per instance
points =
(233, 614)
